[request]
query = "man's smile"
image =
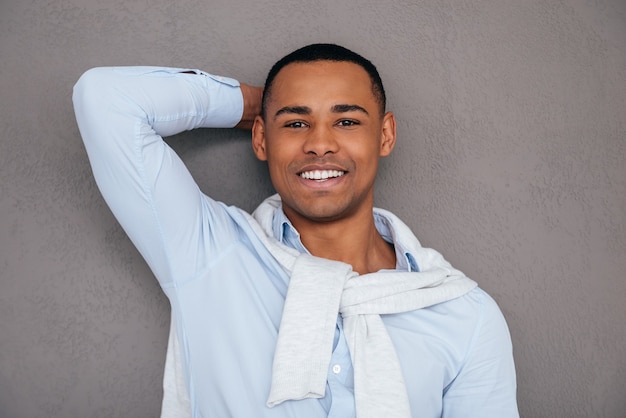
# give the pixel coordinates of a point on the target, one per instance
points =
(321, 175)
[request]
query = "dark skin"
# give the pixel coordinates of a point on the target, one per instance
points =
(324, 117)
(337, 115)
(252, 96)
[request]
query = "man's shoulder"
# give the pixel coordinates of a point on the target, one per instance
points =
(462, 315)
(448, 330)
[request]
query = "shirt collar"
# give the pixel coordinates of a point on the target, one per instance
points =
(285, 232)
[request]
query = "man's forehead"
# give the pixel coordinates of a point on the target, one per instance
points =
(319, 68)
(317, 78)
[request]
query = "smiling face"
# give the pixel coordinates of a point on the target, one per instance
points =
(322, 136)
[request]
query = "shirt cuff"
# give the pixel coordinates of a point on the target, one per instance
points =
(224, 92)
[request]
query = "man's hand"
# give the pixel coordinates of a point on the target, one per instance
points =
(251, 105)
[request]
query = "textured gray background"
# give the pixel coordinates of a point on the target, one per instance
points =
(512, 140)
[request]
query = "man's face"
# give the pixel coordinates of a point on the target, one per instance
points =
(322, 136)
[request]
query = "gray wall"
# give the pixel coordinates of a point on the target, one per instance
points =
(512, 140)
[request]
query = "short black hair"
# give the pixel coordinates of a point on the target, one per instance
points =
(326, 52)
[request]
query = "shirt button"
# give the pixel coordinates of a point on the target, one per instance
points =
(336, 369)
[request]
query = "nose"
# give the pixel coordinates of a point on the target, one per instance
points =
(320, 141)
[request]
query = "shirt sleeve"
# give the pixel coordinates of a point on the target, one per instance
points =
(486, 384)
(122, 114)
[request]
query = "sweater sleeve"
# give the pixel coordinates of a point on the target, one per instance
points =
(122, 114)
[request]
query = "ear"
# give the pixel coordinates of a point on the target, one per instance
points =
(258, 138)
(388, 135)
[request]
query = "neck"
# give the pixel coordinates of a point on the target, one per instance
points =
(354, 241)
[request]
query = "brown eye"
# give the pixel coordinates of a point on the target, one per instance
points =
(296, 124)
(347, 122)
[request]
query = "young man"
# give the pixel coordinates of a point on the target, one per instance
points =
(317, 305)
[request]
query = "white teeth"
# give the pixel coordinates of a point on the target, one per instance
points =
(321, 174)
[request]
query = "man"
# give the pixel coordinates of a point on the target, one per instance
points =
(318, 304)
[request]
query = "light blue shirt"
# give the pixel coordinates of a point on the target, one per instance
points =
(226, 290)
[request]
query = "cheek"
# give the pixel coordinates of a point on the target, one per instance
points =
(278, 167)
(367, 153)
(281, 155)
(278, 148)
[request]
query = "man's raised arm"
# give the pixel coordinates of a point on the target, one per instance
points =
(122, 114)
(252, 96)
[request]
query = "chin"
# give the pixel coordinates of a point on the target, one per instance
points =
(323, 213)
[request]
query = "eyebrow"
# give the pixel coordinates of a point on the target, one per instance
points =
(297, 110)
(305, 110)
(343, 108)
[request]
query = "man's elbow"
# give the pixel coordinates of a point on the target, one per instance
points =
(89, 90)
(93, 97)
